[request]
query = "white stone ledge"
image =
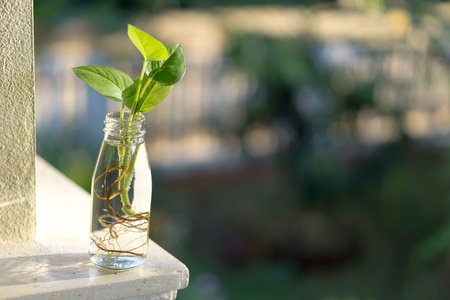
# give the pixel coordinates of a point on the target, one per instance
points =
(57, 266)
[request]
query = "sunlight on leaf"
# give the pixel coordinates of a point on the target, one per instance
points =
(155, 97)
(170, 71)
(109, 82)
(151, 48)
(151, 96)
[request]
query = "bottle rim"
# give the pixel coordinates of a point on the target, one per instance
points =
(115, 116)
(116, 128)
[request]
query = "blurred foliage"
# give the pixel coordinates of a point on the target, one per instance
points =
(320, 217)
(349, 212)
(109, 15)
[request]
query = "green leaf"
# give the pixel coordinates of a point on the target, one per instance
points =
(109, 82)
(129, 100)
(170, 71)
(155, 97)
(151, 96)
(151, 48)
(153, 67)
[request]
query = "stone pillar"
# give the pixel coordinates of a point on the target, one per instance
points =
(17, 122)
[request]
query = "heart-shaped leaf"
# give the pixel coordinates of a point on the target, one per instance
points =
(170, 71)
(151, 48)
(152, 94)
(109, 82)
(155, 97)
(146, 87)
(153, 67)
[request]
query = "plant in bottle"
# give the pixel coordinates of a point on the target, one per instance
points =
(119, 232)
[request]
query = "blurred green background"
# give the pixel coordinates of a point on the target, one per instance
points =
(305, 153)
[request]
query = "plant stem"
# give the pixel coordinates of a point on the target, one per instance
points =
(127, 164)
(122, 111)
(136, 99)
(132, 161)
(126, 206)
(121, 149)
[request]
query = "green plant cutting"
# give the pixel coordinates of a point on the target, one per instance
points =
(162, 68)
(118, 239)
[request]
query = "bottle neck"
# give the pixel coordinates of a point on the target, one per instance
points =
(123, 132)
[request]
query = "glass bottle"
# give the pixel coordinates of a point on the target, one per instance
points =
(121, 196)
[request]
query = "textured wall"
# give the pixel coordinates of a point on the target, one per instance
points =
(17, 121)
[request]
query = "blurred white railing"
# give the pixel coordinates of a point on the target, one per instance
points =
(197, 123)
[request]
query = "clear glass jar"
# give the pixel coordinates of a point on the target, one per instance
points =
(121, 196)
